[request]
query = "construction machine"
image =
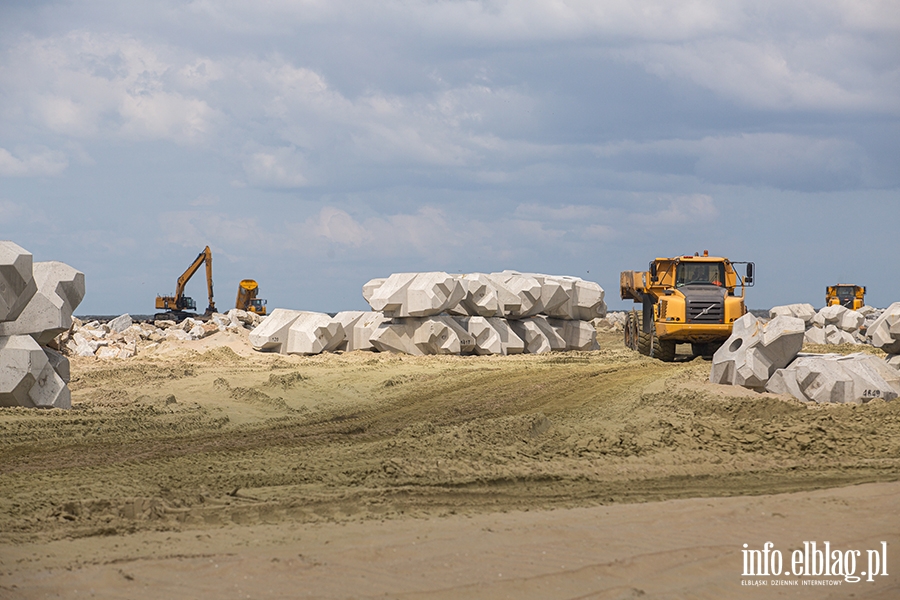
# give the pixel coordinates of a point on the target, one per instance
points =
(846, 294)
(246, 297)
(684, 300)
(177, 306)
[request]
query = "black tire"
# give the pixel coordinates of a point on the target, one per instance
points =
(664, 350)
(631, 331)
(644, 342)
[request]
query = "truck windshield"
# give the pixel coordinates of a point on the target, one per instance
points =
(846, 292)
(689, 273)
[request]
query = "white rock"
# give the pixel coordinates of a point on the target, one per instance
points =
(120, 323)
(60, 289)
(17, 284)
(26, 376)
(271, 334)
(755, 350)
(828, 378)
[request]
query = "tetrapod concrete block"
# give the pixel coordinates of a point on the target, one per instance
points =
(271, 335)
(417, 294)
(424, 335)
(527, 289)
(578, 335)
(17, 284)
(370, 286)
(884, 333)
(60, 289)
(537, 333)
(814, 335)
(26, 376)
(755, 350)
(801, 311)
(314, 333)
(358, 328)
(482, 296)
(492, 335)
(832, 378)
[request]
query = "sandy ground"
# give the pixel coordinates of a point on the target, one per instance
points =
(205, 470)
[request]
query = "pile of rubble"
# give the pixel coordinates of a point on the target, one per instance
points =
(766, 357)
(122, 337)
(438, 313)
(36, 304)
(832, 325)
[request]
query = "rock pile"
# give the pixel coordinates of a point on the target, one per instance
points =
(439, 313)
(36, 304)
(122, 337)
(766, 357)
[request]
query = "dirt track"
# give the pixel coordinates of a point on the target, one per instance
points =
(254, 439)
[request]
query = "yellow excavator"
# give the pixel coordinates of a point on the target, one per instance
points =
(177, 306)
(246, 297)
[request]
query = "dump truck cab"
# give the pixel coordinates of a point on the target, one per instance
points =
(846, 294)
(684, 299)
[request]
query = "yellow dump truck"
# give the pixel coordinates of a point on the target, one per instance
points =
(246, 297)
(846, 294)
(684, 300)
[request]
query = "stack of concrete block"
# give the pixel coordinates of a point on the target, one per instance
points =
(36, 305)
(439, 313)
(756, 350)
(826, 378)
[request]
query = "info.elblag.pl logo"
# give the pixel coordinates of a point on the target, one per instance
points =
(826, 565)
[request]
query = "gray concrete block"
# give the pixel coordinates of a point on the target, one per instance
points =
(358, 328)
(755, 350)
(814, 335)
(833, 378)
(59, 363)
(492, 335)
(313, 333)
(801, 311)
(271, 335)
(60, 289)
(423, 335)
(578, 335)
(370, 286)
(527, 290)
(26, 376)
(884, 332)
(482, 296)
(417, 294)
(17, 284)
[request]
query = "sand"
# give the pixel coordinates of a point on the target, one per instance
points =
(205, 470)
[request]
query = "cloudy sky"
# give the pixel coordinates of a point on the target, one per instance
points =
(316, 144)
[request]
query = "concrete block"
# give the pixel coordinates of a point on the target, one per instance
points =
(884, 332)
(537, 333)
(60, 289)
(834, 335)
(830, 315)
(423, 335)
(417, 294)
(492, 335)
(814, 335)
(370, 286)
(832, 378)
(358, 328)
(314, 333)
(578, 335)
(59, 363)
(271, 335)
(755, 350)
(851, 321)
(801, 311)
(528, 291)
(120, 323)
(893, 360)
(26, 376)
(482, 296)
(17, 284)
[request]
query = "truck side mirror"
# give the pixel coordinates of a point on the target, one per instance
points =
(749, 278)
(653, 271)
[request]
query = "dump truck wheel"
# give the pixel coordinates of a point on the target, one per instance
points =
(664, 350)
(644, 342)
(631, 331)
